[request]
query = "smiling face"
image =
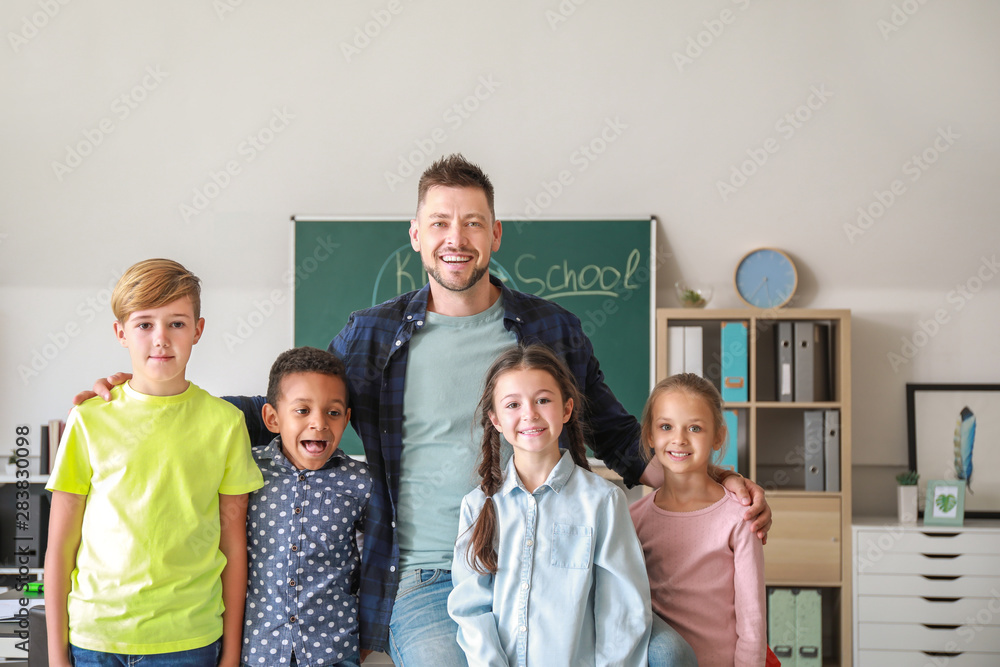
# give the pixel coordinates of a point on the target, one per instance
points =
(311, 415)
(528, 409)
(684, 436)
(455, 233)
(159, 342)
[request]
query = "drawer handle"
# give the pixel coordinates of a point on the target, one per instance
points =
(942, 654)
(930, 626)
(940, 577)
(941, 556)
(941, 599)
(940, 534)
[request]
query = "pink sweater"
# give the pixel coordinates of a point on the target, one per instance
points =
(706, 576)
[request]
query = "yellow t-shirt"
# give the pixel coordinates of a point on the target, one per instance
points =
(147, 577)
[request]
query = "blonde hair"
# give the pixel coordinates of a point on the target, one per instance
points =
(153, 283)
(694, 385)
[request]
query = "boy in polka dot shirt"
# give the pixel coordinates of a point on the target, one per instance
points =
(302, 606)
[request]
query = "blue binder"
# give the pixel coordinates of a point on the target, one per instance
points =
(735, 362)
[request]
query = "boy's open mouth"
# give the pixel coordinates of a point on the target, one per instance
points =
(314, 446)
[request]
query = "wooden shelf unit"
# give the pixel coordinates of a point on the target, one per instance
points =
(809, 545)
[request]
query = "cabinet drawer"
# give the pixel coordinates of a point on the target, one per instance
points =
(952, 610)
(894, 539)
(804, 544)
(951, 564)
(921, 659)
(919, 637)
(912, 584)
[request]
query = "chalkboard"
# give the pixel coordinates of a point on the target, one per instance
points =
(598, 269)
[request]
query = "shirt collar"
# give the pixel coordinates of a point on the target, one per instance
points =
(273, 452)
(557, 479)
(416, 309)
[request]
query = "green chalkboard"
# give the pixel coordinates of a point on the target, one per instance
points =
(598, 269)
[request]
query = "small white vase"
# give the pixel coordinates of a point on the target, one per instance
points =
(907, 503)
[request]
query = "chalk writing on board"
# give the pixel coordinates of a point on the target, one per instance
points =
(562, 280)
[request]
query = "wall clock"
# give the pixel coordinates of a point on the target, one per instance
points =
(766, 278)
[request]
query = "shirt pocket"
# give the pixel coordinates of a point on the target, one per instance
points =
(337, 516)
(571, 545)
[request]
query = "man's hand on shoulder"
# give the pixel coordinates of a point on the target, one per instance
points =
(103, 387)
(751, 494)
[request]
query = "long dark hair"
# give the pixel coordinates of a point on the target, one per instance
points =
(482, 552)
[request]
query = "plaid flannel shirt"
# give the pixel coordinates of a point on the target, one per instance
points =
(374, 347)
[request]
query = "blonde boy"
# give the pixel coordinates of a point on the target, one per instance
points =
(147, 543)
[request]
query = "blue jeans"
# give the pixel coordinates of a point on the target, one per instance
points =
(421, 633)
(667, 648)
(207, 656)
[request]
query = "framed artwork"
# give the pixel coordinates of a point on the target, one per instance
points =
(954, 435)
(945, 504)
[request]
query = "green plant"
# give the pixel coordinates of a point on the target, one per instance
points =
(692, 298)
(908, 478)
(946, 503)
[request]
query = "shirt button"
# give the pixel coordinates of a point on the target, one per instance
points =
(398, 343)
(409, 317)
(302, 478)
(530, 542)
(420, 323)
(291, 582)
(298, 510)
(522, 629)
(295, 547)
(292, 619)
(524, 586)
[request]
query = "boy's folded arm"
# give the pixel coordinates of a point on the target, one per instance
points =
(65, 530)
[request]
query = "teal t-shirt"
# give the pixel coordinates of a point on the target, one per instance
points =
(447, 363)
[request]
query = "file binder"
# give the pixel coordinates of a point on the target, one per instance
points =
(735, 363)
(693, 350)
(831, 449)
(767, 361)
(736, 440)
(781, 633)
(809, 628)
(813, 445)
(786, 360)
(812, 361)
(675, 350)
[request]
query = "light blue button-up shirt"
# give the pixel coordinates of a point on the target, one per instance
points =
(571, 585)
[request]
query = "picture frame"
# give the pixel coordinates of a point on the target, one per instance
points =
(945, 503)
(954, 435)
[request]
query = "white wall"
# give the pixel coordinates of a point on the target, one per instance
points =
(885, 80)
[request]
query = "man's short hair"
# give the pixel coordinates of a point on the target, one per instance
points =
(153, 283)
(302, 360)
(455, 171)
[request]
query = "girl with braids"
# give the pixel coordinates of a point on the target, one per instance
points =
(547, 568)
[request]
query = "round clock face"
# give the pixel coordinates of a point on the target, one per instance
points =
(766, 278)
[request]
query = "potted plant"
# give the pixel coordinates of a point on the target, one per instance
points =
(11, 465)
(907, 496)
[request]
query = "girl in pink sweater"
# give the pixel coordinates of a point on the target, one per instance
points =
(705, 565)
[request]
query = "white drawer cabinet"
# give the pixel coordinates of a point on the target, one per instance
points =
(926, 595)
